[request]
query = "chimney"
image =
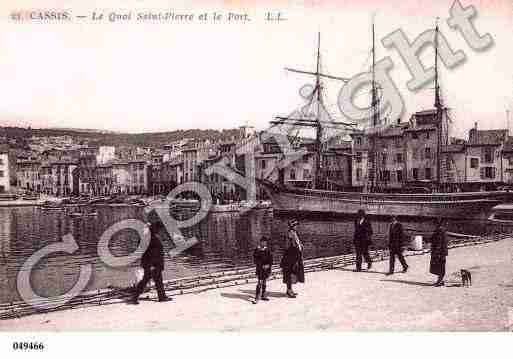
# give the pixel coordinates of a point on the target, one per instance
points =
(473, 134)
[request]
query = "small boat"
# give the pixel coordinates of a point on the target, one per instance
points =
(501, 219)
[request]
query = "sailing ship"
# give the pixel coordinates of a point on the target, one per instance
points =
(287, 198)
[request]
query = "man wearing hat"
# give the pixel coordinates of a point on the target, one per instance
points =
(152, 261)
(395, 245)
(292, 261)
(362, 239)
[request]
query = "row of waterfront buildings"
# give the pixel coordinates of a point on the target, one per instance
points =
(403, 154)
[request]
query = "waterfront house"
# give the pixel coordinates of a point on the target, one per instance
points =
(28, 174)
(130, 177)
(105, 154)
(391, 156)
(360, 174)
(64, 178)
(484, 158)
(337, 166)
(507, 161)
(453, 166)
(5, 177)
(421, 139)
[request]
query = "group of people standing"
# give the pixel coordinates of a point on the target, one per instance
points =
(291, 262)
(362, 239)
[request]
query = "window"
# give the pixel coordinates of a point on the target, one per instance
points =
(263, 164)
(427, 135)
(1, 161)
(359, 141)
(414, 135)
(448, 162)
(358, 174)
(1, 174)
(489, 172)
(474, 162)
(427, 152)
(384, 158)
(385, 176)
(358, 157)
(414, 153)
(292, 174)
(306, 173)
(399, 175)
(428, 173)
(399, 158)
(415, 173)
(488, 155)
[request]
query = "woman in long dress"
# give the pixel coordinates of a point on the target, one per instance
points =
(439, 253)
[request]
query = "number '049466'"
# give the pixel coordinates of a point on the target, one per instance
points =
(28, 346)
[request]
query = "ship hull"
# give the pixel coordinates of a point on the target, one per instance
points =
(451, 205)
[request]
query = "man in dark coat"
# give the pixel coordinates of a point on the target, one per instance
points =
(439, 252)
(263, 261)
(152, 261)
(362, 239)
(292, 261)
(395, 244)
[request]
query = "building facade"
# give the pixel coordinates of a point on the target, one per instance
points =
(5, 175)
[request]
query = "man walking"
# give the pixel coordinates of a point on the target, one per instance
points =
(362, 239)
(152, 261)
(395, 244)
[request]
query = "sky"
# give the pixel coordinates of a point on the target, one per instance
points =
(141, 77)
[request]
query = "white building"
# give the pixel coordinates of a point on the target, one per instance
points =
(105, 154)
(5, 185)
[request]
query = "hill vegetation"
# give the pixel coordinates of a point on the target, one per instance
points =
(149, 139)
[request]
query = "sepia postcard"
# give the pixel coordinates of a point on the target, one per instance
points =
(274, 166)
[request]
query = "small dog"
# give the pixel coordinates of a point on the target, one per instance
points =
(466, 278)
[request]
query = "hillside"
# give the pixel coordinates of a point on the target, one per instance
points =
(150, 139)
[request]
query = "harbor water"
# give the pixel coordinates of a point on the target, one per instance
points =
(226, 240)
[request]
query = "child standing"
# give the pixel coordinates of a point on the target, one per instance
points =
(263, 260)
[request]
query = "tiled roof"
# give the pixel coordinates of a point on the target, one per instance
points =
(487, 137)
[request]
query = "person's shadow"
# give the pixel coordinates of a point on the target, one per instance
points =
(269, 294)
(244, 297)
(422, 284)
(362, 271)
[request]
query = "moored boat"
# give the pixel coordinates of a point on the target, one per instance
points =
(500, 219)
(447, 205)
(318, 200)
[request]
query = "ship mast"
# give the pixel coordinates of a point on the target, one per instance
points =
(316, 123)
(375, 114)
(439, 109)
(318, 136)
